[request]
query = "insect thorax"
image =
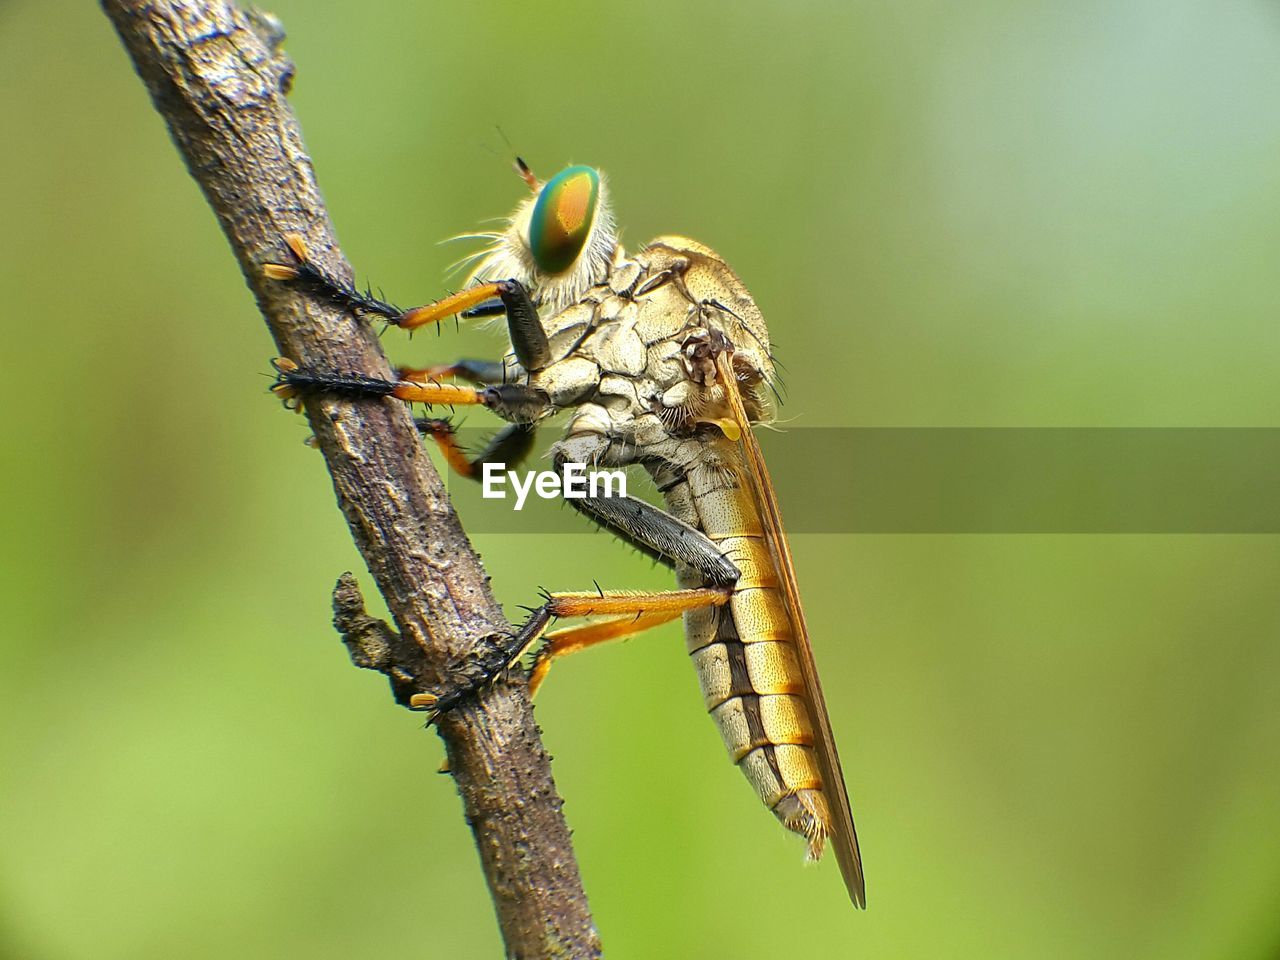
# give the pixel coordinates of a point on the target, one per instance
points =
(636, 344)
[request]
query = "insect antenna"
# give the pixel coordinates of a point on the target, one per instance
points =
(526, 174)
(521, 167)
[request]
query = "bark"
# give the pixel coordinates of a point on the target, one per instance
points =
(217, 76)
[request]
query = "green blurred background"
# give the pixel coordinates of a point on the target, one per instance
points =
(983, 214)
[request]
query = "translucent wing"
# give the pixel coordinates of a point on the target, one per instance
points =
(843, 837)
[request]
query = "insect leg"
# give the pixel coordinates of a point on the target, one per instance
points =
(657, 533)
(296, 383)
(482, 372)
(634, 607)
(653, 531)
(313, 276)
(510, 445)
(528, 338)
(649, 528)
(512, 401)
(490, 308)
(561, 643)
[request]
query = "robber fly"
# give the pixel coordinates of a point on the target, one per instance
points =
(663, 361)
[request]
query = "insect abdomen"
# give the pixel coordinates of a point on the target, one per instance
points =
(745, 656)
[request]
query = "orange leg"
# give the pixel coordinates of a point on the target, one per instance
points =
(307, 270)
(444, 394)
(295, 383)
(632, 612)
(528, 338)
(448, 307)
(561, 643)
(634, 602)
(481, 372)
(508, 446)
(516, 402)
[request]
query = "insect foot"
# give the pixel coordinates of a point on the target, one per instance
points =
(479, 667)
(293, 383)
(374, 645)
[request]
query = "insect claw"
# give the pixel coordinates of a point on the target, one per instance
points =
(298, 245)
(285, 391)
(279, 271)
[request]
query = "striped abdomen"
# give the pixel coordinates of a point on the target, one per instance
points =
(745, 656)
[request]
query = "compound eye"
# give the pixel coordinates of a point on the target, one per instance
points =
(562, 218)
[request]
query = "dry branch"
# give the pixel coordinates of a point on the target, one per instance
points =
(217, 77)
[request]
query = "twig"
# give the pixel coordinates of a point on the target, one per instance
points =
(217, 77)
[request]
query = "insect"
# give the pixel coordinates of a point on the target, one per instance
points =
(662, 361)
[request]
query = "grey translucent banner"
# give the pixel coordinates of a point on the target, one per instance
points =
(1014, 480)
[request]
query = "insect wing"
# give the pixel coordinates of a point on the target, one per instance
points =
(843, 836)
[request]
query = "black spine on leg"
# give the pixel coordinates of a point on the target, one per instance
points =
(487, 661)
(320, 281)
(348, 385)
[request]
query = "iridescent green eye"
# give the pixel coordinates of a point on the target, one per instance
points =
(562, 218)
